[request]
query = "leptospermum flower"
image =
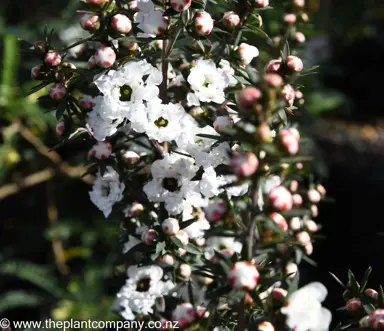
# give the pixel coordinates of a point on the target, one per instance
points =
(203, 23)
(247, 53)
(90, 22)
(181, 5)
(105, 57)
(281, 199)
(376, 319)
(150, 21)
(295, 63)
(52, 58)
(304, 311)
(101, 150)
(244, 164)
(121, 23)
(58, 91)
(231, 20)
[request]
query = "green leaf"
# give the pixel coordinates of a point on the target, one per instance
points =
(381, 297)
(199, 4)
(337, 280)
(177, 242)
(365, 279)
(190, 248)
(18, 299)
(354, 285)
(286, 51)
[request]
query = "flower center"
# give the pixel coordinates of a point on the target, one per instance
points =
(143, 285)
(161, 122)
(125, 93)
(171, 184)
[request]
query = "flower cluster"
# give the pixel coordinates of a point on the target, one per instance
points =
(184, 117)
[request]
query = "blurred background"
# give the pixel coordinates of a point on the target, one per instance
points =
(57, 252)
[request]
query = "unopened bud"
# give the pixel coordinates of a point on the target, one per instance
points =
(58, 91)
(231, 20)
(105, 57)
(52, 58)
(203, 23)
(181, 5)
(121, 23)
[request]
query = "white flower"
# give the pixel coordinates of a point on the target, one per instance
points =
(197, 229)
(208, 82)
(243, 275)
(219, 243)
(171, 182)
(150, 21)
(304, 311)
(141, 290)
(107, 190)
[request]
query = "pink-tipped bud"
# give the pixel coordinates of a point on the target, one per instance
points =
(371, 293)
(294, 185)
(311, 226)
(262, 3)
(183, 237)
(215, 210)
(244, 164)
(231, 20)
(353, 305)
(58, 91)
(60, 127)
(243, 276)
(303, 237)
(279, 294)
(321, 189)
(281, 199)
(181, 5)
(295, 63)
(273, 66)
(121, 23)
(90, 22)
(105, 57)
(264, 133)
(265, 326)
(133, 5)
(288, 93)
(185, 270)
(97, 2)
(295, 224)
(35, 72)
(203, 23)
(248, 97)
(149, 236)
(273, 79)
(91, 62)
(101, 150)
(376, 319)
(167, 260)
(223, 123)
(314, 196)
(129, 45)
(299, 3)
(134, 210)
(297, 199)
(289, 18)
(52, 58)
(170, 226)
(279, 220)
(131, 157)
(314, 211)
(300, 37)
(86, 102)
(290, 140)
(247, 53)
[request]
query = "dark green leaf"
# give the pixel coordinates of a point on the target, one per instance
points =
(365, 279)
(337, 279)
(190, 248)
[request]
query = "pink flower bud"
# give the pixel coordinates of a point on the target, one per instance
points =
(264, 133)
(273, 80)
(243, 276)
(299, 3)
(290, 140)
(295, 223)
(203, 23)
(183, 237)
(262, 3)
(105, 57)
(265, 326)
(231, 20)
(35, 72)
(304, 17)
(308, 248)
(60, 127)
(321, 189)
(297, 199)
(288, 93)
(273, 66)
(244, 164)
(101, 150)
(247, 53)
(223, 123)
(200, 242)
(311, 226)
(289, 18)
(298, 94)
(353, 305)
(86, 102)
(131, 157)
(291, 269)
(247, 97)
(364, 322)
(185, 270)
(303, 237)
(134, 210)
(215, 210)
(121, 23)
(295, 63)
(58, 91)
(52, 58)
(130, 45)
(281, 198)
(279, 294)
(294, 185)
(314, 211)
(181, 5)
(90, 22)
(170, 226)
(167, 260)
(300, 37)
(133, 5)
(185, 314)
(97, 2)
(314, 196)
(279, 220)
(376, 319)
(371, 293)
(91, 62)
(149, 236)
